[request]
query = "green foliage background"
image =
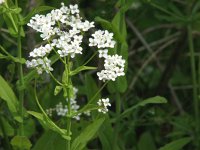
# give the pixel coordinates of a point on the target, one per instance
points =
(160, 41)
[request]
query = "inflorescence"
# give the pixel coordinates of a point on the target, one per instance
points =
(63, 30)
(61, 110)
(103, 103)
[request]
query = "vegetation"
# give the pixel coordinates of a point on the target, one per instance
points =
(152, 104)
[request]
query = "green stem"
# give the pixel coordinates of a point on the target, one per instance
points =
(194, 81)
(3, 50)
(93, 98)
(21, 80)
(43, 111)
(16, 3)
(57, 54)
(55, 78)
(52, 74)
(90, 58)
(67, 67)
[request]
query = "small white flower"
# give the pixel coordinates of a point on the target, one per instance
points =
(2, 1)
(74, 9)
(103, 53)
(87, 113)
(50, 111)
(104, 103)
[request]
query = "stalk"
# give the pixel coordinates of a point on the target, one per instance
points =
(194, 82)
(21, 79)
(67, 68)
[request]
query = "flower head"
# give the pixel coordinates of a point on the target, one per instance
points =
(114, 67)
(102, 39)
(62, 29)
(62, 110)
(103, 103)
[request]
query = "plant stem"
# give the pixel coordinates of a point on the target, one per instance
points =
(93, 98)
(16, 3)
(194, 82)
(21, 80)
(67, 68)
(90, 58)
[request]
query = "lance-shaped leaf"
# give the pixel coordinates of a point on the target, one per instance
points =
(87, 134)
(48, 123)
(152, 100)
(7, 94)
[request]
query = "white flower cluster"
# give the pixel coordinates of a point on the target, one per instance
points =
(103, 103)
(63, 29)
(2, 1)
(114, 67)
(40, 64)
(102, 39)
(62, 110)
(41, 51)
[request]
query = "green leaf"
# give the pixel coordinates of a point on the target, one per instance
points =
(50, 141)
(13, 10)
(50, 124)
(18, 60)
(3, 56)
(106, 135)
(7, 94)
(91, 88)
(2, 9)
(10, 57)
(65, 77)
(81, 141)
(81, 68)
(29, 127)
(27, 78)
(106, 24)
(36, 114)
(146, 142)
(87, 108)
(11, 18)
(57, 90)
(21, 142)
(152, 100)
(26, 19)
(177, 144)
(120, 85)
(9, 130)
(11, 23)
